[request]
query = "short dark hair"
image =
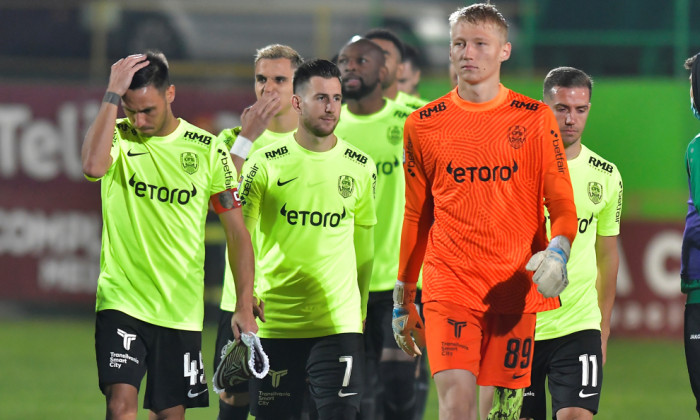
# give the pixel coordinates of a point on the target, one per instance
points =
(315, 67)
(689, 61)
(412, 55)
(387, 35)
(567, 77)
(154, 74)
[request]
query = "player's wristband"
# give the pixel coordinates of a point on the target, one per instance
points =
(112, 98)
(241, 147)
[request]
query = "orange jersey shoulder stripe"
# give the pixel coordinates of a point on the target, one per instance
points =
(477, 176)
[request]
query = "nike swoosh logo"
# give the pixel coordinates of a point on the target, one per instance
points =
(518, 376)
(582, 395)
(130, 153)
(191, 394)
(342, 394)
(280, 183)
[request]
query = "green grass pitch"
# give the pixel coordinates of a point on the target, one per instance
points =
(48, 371)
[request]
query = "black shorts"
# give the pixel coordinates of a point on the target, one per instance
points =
(574, 366)
(224, 335)
(378, 333)
(332, 367)
(126, 348)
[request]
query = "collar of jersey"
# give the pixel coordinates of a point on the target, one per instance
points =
(316, 155)
(579, 160)
(482, 106)
(172, 136)
(386, 109)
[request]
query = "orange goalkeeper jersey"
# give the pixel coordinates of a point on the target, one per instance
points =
(477, 175)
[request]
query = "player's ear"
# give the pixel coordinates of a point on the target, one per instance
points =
(170, 94)
(383, 72)
(505, 52)
(296, 103)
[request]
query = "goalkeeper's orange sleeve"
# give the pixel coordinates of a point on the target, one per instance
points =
(558, 193)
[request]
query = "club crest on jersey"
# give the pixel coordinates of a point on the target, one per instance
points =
(346, 185)
(189, 162)
(595, 192)
(516, 136)
(394, 134)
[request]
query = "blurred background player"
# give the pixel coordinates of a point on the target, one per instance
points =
(311, 196)
(269, 119)
(393, 49)
(158, 175)
(571, 341)
(480, 161)
(374, 124)
(410, 71)
(690, 251)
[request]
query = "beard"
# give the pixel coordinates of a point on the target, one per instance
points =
(318, 129)
(361, 92)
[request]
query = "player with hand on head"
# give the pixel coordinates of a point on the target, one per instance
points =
(480, 162)
(311, 198)
(269, 119)
(159, 174)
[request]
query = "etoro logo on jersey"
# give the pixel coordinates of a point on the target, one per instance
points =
(311, 217)
(482, 173)
(162, 194)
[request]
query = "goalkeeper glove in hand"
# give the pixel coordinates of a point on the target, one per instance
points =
(550, 267)
(407, 325)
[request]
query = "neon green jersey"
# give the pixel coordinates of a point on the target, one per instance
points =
(155, 199)
(410, 101)
(305, 206)
(598, 196)
(228, 136)
(380, 135)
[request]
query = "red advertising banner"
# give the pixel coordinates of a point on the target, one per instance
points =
(649, 302)
(50, 215)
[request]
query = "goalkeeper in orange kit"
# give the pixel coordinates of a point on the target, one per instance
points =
(480, 162)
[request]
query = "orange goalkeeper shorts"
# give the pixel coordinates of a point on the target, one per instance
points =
(496, 348)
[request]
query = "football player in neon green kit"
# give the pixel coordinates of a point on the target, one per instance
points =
(571, 341)
(158, 174)
(311, 198)
(268, 120)
(374, 124)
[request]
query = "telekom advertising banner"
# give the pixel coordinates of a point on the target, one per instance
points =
(50, 216)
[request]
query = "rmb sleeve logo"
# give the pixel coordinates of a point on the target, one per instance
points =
(189, 162)
(346, 185)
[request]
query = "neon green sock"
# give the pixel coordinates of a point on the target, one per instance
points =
(506, 404)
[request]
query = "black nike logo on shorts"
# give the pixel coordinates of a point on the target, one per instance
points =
(280, 183)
